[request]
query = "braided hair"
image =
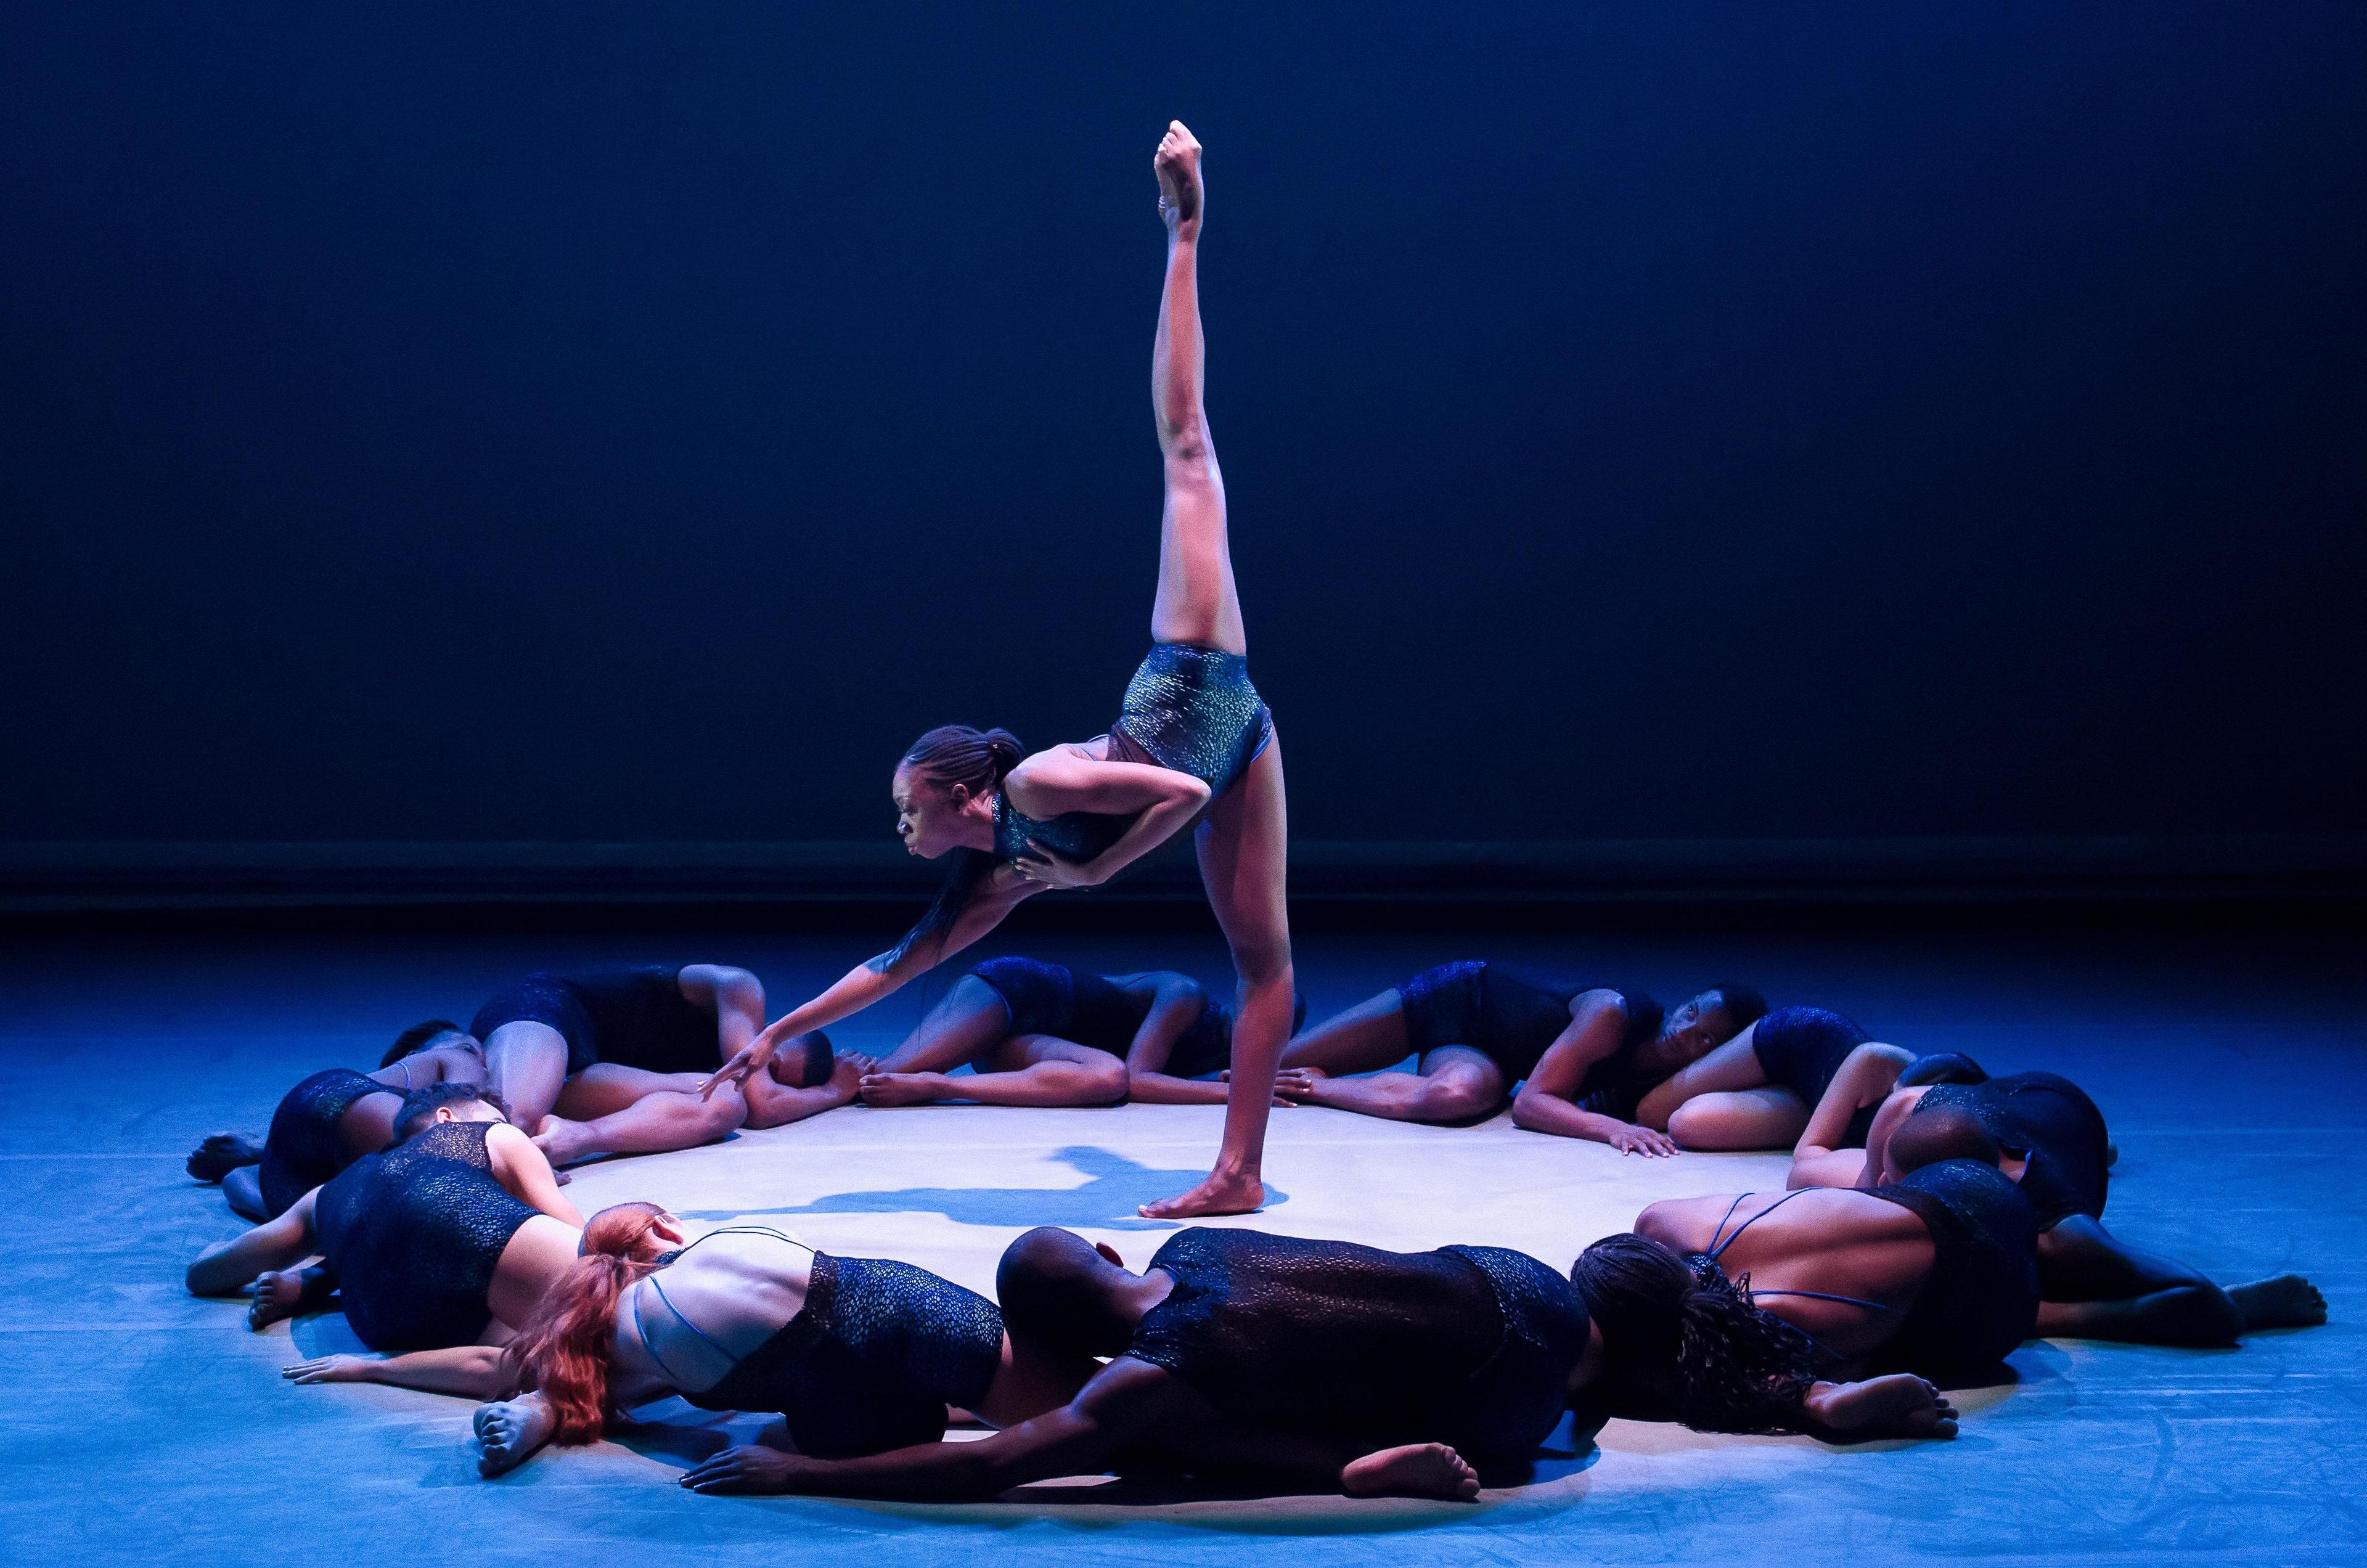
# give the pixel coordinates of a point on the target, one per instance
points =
(1685, 1343)
(976, 760)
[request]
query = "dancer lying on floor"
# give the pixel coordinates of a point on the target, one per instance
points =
(2052, 1140)
(1193, 743)
(440, 1247)
(1934, 1274)
(1585, 1055)
(858, 1354)
(1330, 1366)
(332, 1118)
(1756, 1090)
(1042, 1033)
(611, 1061)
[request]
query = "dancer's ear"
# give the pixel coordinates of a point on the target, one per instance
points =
(667, 1226)
(1106, 1251)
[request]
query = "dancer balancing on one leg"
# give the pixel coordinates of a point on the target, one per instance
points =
(1193, 742)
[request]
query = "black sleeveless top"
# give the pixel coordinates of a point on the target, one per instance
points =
(414, 1234)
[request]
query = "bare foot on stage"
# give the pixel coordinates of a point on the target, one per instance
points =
(563, 1141)
(1218, 1195)
(1899, 1405)
(2283, 1301)
(510, 1431)
(276, 1295)
(903, 1088)
(1417, 1470)
(221, 1154)
(1177, 164)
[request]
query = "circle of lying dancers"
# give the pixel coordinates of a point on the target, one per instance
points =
(1934, 1217)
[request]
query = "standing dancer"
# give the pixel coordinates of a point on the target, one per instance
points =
(1193, 742)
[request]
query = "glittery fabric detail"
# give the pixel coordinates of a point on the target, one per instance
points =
(1801, 1049)
(1981, 1298)
(1384, 1348)
(1192, 709)
(1078, 835)
(2053, 1121)
(871, 1360)
(414, 1234)
(1052, 999)
(303, 1148)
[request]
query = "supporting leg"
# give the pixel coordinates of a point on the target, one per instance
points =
(1243, 846)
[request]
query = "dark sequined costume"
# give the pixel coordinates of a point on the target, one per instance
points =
(1471, 1345)
(1981, 1298)
(871, 1360)
(1052, 999)
(634, 1015)
(1511, 1014)
(414, 1234)
(1801, 1049)
(304, 1147)
(1189, 709)
(2052, 1120)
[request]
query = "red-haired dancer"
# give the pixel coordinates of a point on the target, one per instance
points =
(859, 1354)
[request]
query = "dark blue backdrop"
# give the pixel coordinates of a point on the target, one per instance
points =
(636, 422)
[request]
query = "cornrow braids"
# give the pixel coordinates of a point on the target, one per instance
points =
(1740, 1368)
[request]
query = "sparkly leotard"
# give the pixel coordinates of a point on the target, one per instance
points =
(1511, 1014)
(2052, 1120)
(1801, 1049)
(869, 1362)
(304, 1147)
(414, 1236)
(1189, 709)
(634, 1015)
(1980, 1299)
(1471, 1345)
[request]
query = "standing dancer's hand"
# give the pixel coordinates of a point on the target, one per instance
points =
(755, 1056)
(1049, 868)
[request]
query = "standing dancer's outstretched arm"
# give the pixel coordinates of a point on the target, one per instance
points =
(1244, 840)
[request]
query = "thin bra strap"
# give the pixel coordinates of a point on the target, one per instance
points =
(404, 1063)
(655, 1284)
(1717, 1247)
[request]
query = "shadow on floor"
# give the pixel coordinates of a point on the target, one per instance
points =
(1113, 1188)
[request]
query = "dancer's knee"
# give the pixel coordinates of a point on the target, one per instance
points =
(1102, 1082)
(1454, 1100)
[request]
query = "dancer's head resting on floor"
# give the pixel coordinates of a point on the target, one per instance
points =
(427, 1036)
(423, 1108)
(1694, 1029)
(566, 1349)
(1680, 1342)
(1067, 1291)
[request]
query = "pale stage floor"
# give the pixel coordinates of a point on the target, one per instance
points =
(141, 1425)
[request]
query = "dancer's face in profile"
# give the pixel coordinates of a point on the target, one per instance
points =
(928, 814)
(1689, 1034)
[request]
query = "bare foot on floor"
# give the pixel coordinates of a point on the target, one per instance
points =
(563, 1141)
(1899, 1405)
(2282, 1301)
(899, 1088)
(221, 1154)
(510, 1432)
(276, 1295)
(1177, 165)
(1218, 1195)
(1417, 1470)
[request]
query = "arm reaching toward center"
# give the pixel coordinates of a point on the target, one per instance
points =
(1548, 1098)
(1002, 891)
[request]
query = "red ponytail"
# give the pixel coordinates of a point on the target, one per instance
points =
(565, 1350)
